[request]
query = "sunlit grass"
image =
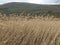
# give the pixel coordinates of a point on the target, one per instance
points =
(19, 30)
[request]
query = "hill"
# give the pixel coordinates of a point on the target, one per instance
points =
(28, 8)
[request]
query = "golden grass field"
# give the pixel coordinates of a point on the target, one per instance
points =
(25, 31)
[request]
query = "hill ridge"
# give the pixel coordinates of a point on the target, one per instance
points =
(19, 7)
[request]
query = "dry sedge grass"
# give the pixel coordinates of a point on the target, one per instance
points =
(25, 31)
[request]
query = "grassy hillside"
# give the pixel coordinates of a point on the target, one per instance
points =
(37, 31)
(28, 8)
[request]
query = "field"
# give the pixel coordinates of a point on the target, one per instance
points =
(19, 30)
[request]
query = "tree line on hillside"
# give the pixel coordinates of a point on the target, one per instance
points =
(31, 9)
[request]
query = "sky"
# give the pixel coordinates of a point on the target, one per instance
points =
(32, 1)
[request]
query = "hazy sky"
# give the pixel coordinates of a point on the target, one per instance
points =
(32, 1)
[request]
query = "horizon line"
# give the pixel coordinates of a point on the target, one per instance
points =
(34, 3)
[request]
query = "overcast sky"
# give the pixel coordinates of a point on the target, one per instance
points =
(32, 1)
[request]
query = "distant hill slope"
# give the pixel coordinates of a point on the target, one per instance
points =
(28, 8)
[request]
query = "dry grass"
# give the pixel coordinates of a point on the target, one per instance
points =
(37, 31)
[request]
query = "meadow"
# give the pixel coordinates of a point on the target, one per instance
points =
(20, 30)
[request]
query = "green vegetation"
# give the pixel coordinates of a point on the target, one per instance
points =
(32, 9)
